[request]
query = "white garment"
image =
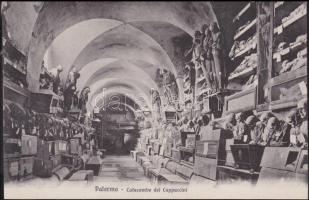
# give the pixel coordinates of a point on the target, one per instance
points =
(53, 72)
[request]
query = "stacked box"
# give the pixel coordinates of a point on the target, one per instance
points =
(42, 168)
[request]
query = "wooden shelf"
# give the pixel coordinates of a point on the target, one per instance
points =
(296, 47)
(186, 163)
(186, 149)
(242, 11)
(6, 60)
(289, 76)
(284, 78)
(278, 30)
(247, 72)
(285, 103)
(248, 27)
(244, 51)
(16, 88)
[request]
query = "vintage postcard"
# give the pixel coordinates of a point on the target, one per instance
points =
(154, 99)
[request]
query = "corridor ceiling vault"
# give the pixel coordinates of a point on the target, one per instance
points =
(114, 45)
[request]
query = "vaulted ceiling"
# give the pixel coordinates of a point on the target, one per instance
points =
(114, 45)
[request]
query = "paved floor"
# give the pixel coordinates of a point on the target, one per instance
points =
(120, 168)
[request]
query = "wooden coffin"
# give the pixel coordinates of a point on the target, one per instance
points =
(288, 88)
(184, 171)
(230, 175)
(176, 155)
(302, 166)
(247, 156)
(42, 168)
(267, 174)
(10, 169)
(62, 173)
(146, 167)
(94, 164)
(206, 167)
(289, 157)
(26, 166)
(45, 102)
(11, 147)
(82, 175)
(292, 165)
(172, 166)
(172, 178)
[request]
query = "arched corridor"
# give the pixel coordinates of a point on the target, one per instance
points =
(155, 93)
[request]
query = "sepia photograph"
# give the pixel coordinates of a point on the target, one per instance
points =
(154, 100)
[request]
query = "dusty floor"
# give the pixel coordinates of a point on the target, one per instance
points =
(120, 168)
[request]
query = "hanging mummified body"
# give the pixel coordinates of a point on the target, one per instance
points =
(83, 99)
(70, 88)
(169, 86)
(207, 59)
(217, 53)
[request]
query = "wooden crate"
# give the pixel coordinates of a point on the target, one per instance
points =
(289, 157)
(26, 167)
(229, 174)
(247, 156)
(42, 168)
(95, 165)
(10, 169)
(184, 171)
(11, 146)
(81, 175)
(172, 166)
(292, 165)
(206, 167)
(176, 155)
